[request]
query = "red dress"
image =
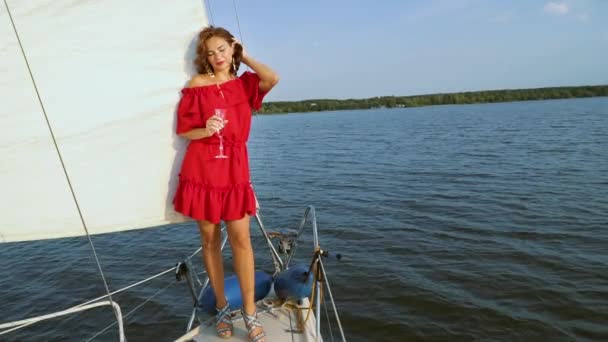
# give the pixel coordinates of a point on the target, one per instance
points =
(217, 189)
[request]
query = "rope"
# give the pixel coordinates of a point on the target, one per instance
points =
(312, 299)
(312, 295)
(319, 292)
(84, 226)
(26, 322)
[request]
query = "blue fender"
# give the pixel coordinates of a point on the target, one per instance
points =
(294, 283)
(232, 290)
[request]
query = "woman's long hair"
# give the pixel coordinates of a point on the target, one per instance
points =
(201, 63)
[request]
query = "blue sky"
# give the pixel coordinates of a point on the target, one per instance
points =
(358, 49)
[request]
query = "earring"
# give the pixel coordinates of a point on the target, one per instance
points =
(234, 65)
(209, 71)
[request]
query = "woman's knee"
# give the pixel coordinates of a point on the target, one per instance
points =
(211, 234)
(240, 240)
(238, 234)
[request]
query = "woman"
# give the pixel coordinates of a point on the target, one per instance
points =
(212, 189)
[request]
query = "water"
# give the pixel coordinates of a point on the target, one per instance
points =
(457, 223)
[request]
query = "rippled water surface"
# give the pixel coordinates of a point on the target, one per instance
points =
(457, 223)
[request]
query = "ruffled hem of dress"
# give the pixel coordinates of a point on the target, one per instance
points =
(212, 203)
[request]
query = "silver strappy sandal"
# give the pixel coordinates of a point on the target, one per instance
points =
(223, 317)
(251, 323)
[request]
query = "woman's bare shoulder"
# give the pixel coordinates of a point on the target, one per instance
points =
(199, 81)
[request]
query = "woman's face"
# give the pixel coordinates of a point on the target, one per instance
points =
(219, 53)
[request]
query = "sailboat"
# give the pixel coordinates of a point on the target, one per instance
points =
(87, 146)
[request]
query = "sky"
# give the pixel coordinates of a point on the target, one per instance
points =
(343, 49)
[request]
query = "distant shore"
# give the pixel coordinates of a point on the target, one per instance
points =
(486, 96)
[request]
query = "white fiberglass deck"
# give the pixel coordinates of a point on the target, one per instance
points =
(281, 323)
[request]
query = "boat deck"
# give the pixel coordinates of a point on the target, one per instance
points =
(282, 322)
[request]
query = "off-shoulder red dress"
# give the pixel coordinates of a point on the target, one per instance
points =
(214, 189)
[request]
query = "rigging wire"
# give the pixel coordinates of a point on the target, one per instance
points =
(92, 304)
(67, 177)
(134, 310)
(208, 5)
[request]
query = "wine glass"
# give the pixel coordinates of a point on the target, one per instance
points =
(221, 113)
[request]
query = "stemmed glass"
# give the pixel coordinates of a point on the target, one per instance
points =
(221, 113)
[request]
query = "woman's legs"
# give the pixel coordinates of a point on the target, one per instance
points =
(242, 252)
(240, 242)
(211, 240)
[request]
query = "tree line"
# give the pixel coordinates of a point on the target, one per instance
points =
(488, 96)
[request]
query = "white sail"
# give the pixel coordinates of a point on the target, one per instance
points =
(108, 74)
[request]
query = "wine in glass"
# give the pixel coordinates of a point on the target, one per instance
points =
(221, 113)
